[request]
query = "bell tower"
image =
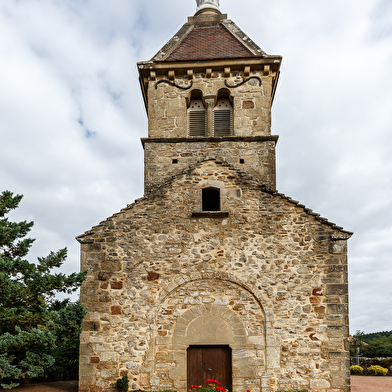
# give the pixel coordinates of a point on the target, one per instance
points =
(213, 274)
(208, 94)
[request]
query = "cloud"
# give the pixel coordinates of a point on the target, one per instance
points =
(71, 117)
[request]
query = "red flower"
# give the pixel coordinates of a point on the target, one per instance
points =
(212, 381)
(193, 386)
(221, 389)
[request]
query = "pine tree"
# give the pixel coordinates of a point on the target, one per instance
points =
(33, 324)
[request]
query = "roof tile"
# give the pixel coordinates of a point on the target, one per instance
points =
(209, 43)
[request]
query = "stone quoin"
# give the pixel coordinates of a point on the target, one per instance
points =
(213, 273)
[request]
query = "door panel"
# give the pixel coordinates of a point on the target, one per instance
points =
(209, 362)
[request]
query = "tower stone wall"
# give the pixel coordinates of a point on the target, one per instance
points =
(251, 146)
(167, 104)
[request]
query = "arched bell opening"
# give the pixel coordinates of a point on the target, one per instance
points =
(223, 115)
(196, 115)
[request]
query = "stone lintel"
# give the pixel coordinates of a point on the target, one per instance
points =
(210, 214)
(248, 139)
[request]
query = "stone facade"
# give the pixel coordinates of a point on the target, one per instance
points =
(263, 274)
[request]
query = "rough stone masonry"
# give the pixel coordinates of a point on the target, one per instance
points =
(261, 274)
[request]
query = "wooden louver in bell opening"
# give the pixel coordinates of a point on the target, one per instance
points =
(223, 118)
(196, 119)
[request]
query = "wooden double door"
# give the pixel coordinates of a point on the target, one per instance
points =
(209, 362)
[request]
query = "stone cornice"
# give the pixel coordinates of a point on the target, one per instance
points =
(249, 139)
(151, 70)
(201, 65)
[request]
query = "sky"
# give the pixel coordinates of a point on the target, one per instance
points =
(72, 115)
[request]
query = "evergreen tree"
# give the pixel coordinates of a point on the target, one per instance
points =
(33, 325)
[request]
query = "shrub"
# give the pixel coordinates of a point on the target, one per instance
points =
(356, 369)
(377, 371)
(122, 384)
(385, 363)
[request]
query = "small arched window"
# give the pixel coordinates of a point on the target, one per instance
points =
(211, 199)
(196, 118)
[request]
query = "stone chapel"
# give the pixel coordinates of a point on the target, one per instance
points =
(213, 273)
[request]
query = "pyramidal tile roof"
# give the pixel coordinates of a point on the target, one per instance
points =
(209, 43)
(209, 36)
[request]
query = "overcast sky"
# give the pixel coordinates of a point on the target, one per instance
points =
(71, 117)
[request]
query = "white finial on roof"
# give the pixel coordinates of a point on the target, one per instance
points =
(207, 4)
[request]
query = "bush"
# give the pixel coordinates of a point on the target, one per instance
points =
(122, 384)
(385, 363)
(377, 371)
(356, 369)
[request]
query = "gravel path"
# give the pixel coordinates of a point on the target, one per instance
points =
(358, 384)
(58, 386)
(371, 384)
